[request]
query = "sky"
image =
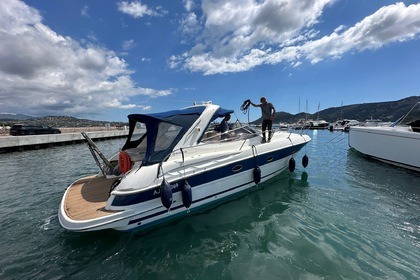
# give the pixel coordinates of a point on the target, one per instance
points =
(103, 60)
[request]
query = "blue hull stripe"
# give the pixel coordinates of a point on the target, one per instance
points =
(195, 201)
(209, 176)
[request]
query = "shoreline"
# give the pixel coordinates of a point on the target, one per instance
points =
(5, 132)
(68, 136)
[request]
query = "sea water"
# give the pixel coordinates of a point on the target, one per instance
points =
(343, 217)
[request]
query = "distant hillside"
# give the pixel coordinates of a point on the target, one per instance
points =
(386, 111)
(8, 116)
(63, 121)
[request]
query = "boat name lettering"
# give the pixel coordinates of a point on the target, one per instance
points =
(157, 191)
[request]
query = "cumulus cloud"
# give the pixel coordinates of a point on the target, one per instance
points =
(42, 72)
(190, 24)
(137, 10)
(189, 5)
(394, 23)
(238, 35)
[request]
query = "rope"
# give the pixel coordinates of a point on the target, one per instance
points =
(245, 106)
(333, 139)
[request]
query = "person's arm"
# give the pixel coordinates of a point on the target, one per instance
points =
(255, 105)
(273, 111)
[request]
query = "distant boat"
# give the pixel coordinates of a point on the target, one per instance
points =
(283, 126)
(343, 125)
(317, 124)
(310, 124)
(398, 144)
(376, 122)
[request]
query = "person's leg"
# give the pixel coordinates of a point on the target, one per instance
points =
(270, 125)
(264, 128)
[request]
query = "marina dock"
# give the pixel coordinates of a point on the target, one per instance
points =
(30, 142)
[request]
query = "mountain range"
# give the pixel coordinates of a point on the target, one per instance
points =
(386, 111)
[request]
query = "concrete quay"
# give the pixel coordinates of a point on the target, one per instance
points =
(30, 142)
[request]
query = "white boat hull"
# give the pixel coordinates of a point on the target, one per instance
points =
(398, 146)
(151, 212)
(181, 164)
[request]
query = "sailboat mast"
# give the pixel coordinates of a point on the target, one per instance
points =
(319, 104)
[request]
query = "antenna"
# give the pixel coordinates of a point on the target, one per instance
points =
(299, 105)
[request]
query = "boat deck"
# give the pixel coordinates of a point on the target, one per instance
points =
(86, 198)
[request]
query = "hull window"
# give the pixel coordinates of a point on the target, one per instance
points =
(237, 168)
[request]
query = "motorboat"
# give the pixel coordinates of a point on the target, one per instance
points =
(316, 124)
(283, 126)
(180, 164)
(343, 125)
(397, 144)
(376, 122)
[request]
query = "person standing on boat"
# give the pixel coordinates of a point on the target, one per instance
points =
(224, 127)
(267, 111)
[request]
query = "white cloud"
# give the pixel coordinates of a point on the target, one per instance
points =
(128, 45)
(189, 5)
(42, 72)
(394, 23)
(137, 10)
(91, 36)
(190, 25)
(84, 11)
(238, 35)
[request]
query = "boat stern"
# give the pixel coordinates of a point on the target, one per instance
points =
(82, 207)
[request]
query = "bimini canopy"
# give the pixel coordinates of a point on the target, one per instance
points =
(164, 131)
(221, 113)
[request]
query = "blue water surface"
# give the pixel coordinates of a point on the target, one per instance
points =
(343, 217)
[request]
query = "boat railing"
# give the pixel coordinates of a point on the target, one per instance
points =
(241, 132)
(94, 150)
(302, 129)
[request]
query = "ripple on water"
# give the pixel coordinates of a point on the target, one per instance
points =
(343, 216)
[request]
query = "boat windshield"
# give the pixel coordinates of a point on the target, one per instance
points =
(167, 134)
(163, 132)
(236, 131)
